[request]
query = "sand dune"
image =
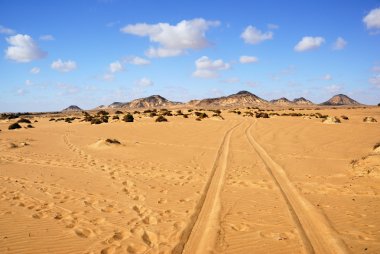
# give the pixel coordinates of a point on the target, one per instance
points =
(240, 185)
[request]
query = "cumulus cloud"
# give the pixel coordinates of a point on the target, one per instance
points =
(28, 82)
(273, 26)
(232, 80)
(108, 77)
(339, 44)
(206, 68)
(327, 77)
(333, 89)
(252, 35)
(116, 67)
(163, 52)
(251, 83)
(376, 68)
(144, 82)
(64, 66)
(35, 70)
(248, 59)
(66, 89)
(309, 43)
(173, 40)
(137, 60)
(21, 91)
(112, 23)
(375, 80)
(23, 49)
(6, 30)
(47, 37)
(372, 19)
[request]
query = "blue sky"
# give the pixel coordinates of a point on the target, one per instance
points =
(88, 53)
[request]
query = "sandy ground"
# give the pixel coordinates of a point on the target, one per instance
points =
(240, 185)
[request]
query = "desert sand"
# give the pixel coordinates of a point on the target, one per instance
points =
(240, 185)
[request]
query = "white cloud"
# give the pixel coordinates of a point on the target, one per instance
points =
(327, 77)
(21, 91)
(273, 26)
(372, 19)
(252, 35)
(376, 68)
(28, 82)
(64, 66)
(309, 43)
(47, 37)
(206, 68)
(6, 30)
(375, 80)
(116, 67)
(163, 52)
(108, 77)
(35, 70)
(339, 44)
(137, 60)
(251, 83)
(333, 89)
(144, 82)
(173, 40)
(112, 23)
(67, 89)
(248, 59)
(232, 80)
(216, 92)
(23, 49)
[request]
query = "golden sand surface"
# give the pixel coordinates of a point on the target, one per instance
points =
(239, 185)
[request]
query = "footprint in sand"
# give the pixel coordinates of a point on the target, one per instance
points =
(117, 237)
(241, 227)
(138, 231)
(108, 209)
(39, 215)
(108, 250)
(83, 232)
(136, 248)
(150, 238)
(151, 220)
(98, 221)
(278, 235)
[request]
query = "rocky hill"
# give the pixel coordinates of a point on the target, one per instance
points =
(72, 108)
(282, 102)
(154, 101)
(302, 101)
(340, 100)
(240, 99)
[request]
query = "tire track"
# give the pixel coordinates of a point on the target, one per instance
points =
(317, 234)
(202, 231)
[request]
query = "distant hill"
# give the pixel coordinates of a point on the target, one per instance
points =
(116, 105)
(154, 101)
(282, 102)
(340, 100)
(302, 101)
(72, 108)
(296, 102)
(240, 99)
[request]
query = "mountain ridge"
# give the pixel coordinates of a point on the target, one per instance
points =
(240, 99)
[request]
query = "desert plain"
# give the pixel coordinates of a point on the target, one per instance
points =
(237, 184)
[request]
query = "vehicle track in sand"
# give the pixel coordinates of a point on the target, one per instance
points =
(202, 231)
(315, 231)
